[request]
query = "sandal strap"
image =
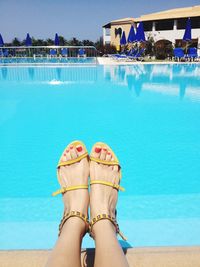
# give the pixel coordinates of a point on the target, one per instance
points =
(66, 189)
(105, 217)
(71, 161)
(116, 186)
(105, 162)
(70, 214)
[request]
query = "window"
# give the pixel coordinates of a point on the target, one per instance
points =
(107, 31)
(181, 24)
(195, 23)
(148, 26)
(164, 25)
(118, 31)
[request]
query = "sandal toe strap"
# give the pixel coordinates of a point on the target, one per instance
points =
(71, 161)
(105, 162)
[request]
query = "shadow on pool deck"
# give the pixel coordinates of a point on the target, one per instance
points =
(137, 257)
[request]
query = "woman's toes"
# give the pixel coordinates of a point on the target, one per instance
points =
(108, 156)
(67, 154)
(80, 150)
(73, 152)
(64, 157)
(103, 153)
(96, 152)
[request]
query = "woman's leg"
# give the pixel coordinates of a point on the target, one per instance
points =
(67, 250)
(103, 200)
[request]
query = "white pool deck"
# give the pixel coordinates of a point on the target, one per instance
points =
(111, 61)
(137, 257)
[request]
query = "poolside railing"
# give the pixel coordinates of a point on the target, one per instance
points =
(48, 55)
(45, 51)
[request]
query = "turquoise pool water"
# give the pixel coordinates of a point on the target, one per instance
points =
(149, 114)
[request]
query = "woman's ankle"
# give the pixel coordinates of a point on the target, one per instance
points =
(103, 227)
(74, 225)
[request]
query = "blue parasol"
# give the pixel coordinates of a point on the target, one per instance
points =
(56, 41)
(131, 36)
(123, 39)
(188, 31)
(28, 41)
(1, 41)
(140, 37)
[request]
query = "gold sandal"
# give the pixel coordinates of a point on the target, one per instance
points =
(116, 186)
(70, 214)
(105, 217)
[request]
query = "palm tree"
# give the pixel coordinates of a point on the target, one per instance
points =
(49, 41)
(87, 42)
(62, 40)
(16, 42)
(74, 42)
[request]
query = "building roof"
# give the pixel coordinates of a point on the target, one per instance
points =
(185, 12)
(123, 20)
(119, 21)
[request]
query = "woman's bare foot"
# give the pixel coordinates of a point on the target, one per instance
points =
(103, 199)
(73, 175)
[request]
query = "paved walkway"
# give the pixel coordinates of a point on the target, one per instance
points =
(137, 257)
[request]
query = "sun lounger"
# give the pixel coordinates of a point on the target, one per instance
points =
(179, 54)
(192, 53)
(81, 52)
(138, 54)
(53, 52)
(64, 52)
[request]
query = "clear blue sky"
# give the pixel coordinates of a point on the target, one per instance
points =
(73, 18)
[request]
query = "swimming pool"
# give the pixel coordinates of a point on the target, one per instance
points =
(149, 114)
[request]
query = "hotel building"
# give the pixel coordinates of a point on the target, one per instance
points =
(168, 25)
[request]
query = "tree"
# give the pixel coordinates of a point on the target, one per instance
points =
(16, 42)
(38, 42)
(88, 43)
(49, 41)
(74, 42)
(62, 40)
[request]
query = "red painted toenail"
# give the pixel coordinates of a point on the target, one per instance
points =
(67, 150)
(71, 147)
(109, 153)
(97, 149)
(79, 148)
(105, 149)
(64, 154)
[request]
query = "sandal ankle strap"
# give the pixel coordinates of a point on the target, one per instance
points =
(70, 214)
(105, 217)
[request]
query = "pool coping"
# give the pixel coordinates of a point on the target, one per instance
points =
(187, 256)
(99, 61)
(111, 61)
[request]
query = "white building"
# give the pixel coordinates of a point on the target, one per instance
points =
(165, 25)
